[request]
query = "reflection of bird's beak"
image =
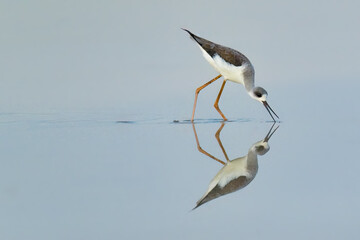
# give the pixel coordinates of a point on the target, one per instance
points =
(270, 133)
(268, 108)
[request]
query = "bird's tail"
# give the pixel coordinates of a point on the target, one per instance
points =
(193, 36)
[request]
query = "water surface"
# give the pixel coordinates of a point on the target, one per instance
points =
(86, 176)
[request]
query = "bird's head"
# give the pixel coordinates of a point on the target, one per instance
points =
(260, 94)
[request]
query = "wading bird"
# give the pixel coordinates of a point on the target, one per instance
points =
(233, 66)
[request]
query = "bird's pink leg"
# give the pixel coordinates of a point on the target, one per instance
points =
(197, 93)
(216, 104)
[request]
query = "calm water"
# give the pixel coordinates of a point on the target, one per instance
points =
(87, 176)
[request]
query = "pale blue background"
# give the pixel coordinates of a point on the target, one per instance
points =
(69, 70)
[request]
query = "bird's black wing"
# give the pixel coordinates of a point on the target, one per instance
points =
(228, 54)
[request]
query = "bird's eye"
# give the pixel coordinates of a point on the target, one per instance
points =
(257, 94)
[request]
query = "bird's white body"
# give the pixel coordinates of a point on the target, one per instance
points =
(229, 71)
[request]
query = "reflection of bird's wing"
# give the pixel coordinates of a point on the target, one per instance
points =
(228, 54)
(230, 187)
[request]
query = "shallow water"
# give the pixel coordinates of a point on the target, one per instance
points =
(88, 176)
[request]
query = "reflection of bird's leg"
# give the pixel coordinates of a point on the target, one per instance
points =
(197, 93)
(217, 136)
(216, 104)
(202, 150)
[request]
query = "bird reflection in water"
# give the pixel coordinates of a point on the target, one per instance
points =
(237, 173)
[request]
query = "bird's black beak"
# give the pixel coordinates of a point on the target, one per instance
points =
(268, 108)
